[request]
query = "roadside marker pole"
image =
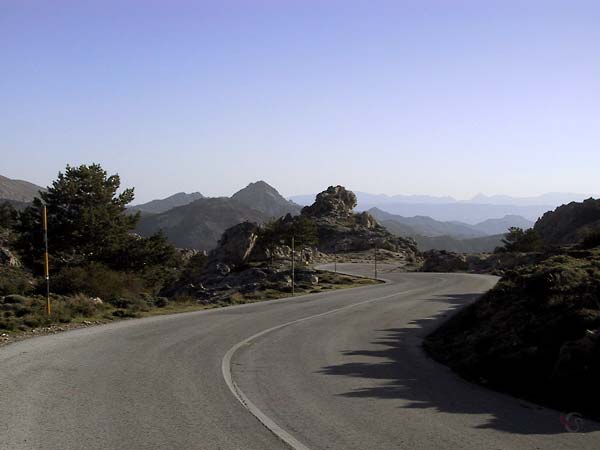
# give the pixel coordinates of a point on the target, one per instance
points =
(46, 265)
(293, 264)
(335, 258)
(375, 260)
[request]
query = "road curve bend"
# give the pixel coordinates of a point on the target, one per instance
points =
(338, 370)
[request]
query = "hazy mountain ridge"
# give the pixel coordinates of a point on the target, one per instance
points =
(164, 204)
(200, 224)
(472, 211)
(451, 236)
(266, 199)
(18, 190)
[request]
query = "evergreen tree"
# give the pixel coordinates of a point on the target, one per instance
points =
(86, 217)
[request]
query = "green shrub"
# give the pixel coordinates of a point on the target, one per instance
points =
(14, 280)
(97, 280)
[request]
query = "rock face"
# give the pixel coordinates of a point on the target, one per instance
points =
(236, 245)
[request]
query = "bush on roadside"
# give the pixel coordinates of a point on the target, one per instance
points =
(14, 280)
(97, 280)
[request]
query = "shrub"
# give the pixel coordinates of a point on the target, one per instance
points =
(97, 280)
(592, 239)
(14, 280)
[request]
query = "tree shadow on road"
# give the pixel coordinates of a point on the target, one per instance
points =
(402, 370)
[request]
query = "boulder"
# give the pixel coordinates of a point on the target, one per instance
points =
(235, 246)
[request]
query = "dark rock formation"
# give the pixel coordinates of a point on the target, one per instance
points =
(569, 224)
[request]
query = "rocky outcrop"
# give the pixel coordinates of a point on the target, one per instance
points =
(341, 230)
(235, 247)
(334, 203)
(569, 224)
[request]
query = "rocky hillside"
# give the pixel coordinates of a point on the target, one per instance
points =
(340, 228)
(264, 198)
(535, 335)
(200, 224)
(569, 224)
(18, 190)
(161, 205)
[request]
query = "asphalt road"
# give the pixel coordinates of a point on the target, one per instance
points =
(340, 370)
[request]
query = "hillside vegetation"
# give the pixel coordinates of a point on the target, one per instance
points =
(537, 333)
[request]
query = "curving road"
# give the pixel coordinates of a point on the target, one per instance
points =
(339, 370)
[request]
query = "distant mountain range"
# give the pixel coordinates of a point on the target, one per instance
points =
(426, 226)
(452, 236)
(200, 223)
(475, 210)
(161, 205)
(18, 190)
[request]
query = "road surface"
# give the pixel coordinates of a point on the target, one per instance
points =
(339, 370)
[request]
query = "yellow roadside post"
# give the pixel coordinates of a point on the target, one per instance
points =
(46, 268)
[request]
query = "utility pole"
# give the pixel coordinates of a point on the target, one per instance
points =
(293, 267)
(46, 268)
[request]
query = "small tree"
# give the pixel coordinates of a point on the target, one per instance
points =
(519, 240)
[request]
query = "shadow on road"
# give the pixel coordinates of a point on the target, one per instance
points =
(403, 371)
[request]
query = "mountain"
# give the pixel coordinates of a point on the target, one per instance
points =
(475, 210)
(264, 198)
(426, 226)
(458, 237)
(569, 224)
(501, 226)
(18, 190)
(468, 213)
(164, 204)
(199, 224)
(551, 198)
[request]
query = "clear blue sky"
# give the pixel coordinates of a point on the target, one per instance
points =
(435, 97)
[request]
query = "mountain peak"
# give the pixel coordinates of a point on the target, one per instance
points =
(263, 197)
